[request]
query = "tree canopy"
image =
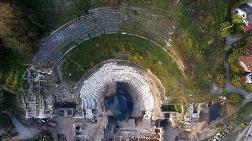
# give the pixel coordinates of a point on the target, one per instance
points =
(16, 29)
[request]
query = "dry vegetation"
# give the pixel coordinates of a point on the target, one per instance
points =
(199, 42)
(16, 30)
(18, 39)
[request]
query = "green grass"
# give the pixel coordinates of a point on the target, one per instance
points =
(172, 108)
(11, 69)
(53, 13)
(248, 87)
(132, 48)
(234, 53)
(198, 40)
(246, 111)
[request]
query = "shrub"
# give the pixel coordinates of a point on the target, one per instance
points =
(234, 99)
(237, 52)
(225, 29)
(220, 79)
(248, 87)
(236, 80)
(237, 19)
(235, 69)
(207, 77)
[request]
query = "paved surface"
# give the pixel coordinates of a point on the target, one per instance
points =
(65, 126)
(170, 134)
(245, 94)
(231, 88)
(232, 39)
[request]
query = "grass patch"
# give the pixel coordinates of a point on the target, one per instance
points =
(248, 87)
(171, 108)
(50, 14)
(198, 40)
(237, 50)
(246, 111)
(132, 48)
(11, 69)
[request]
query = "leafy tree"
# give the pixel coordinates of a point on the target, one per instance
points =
(207, 77)
(236, 80)
(234, 98)
(11, 68)
(235, 69)
(16, 30)
(225, 29)
(234, 57)
(248, 87)
(237, 19)
(220, 79)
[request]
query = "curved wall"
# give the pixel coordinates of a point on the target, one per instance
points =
(93, 88)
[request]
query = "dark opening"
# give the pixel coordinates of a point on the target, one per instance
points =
(120, 104)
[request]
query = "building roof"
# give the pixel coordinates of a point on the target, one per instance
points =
(89, 113)
(246, 8)
(248, 78)
(246, 28)
(246, 63)
(249, 47)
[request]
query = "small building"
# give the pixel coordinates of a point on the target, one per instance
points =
(193, 113)
(64, 112)
(248, 78)
(245, 12)
(35, 106)
(246, 60)
(89, 113)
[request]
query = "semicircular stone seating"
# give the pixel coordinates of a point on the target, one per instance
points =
(93, 87)
(97, 22)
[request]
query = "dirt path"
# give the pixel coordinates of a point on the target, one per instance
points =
(244, 93)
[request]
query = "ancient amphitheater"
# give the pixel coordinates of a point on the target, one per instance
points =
(144, 88)
(102, 21)
(94, 88)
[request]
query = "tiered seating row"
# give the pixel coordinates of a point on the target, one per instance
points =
(94, 86)
(99, 21)
(153, 26)
(102, 21)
